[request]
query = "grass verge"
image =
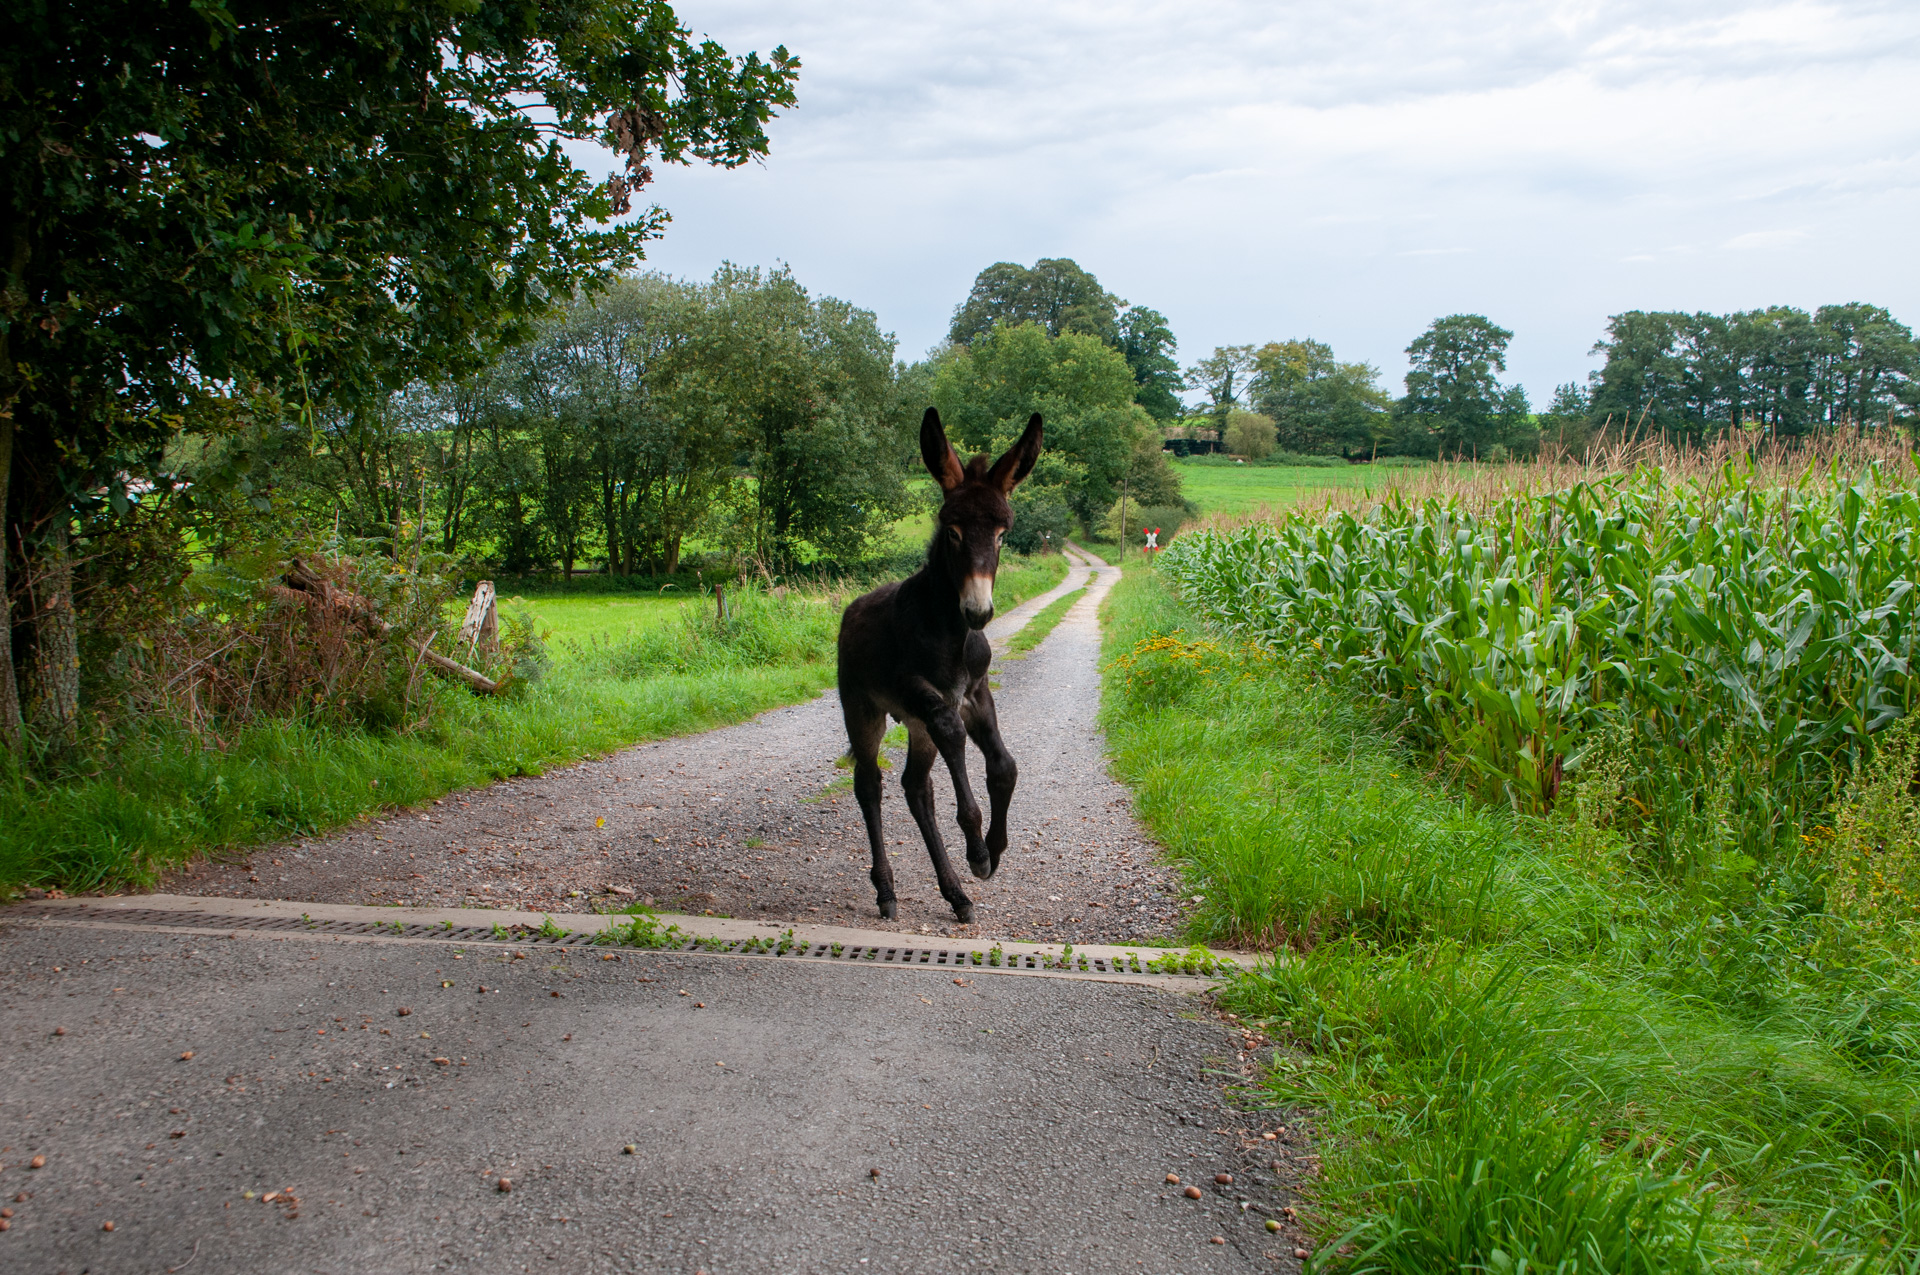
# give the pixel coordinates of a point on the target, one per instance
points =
(1035, 631)
(1526, 1052)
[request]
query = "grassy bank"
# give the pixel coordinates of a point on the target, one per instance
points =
(1527, 1051)
(622, 671)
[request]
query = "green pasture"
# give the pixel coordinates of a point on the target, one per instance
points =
(568, 623)
(1242, 489)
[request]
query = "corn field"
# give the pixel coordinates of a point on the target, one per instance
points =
(1717, 647)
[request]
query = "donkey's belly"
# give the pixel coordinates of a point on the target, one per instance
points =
(954, 696)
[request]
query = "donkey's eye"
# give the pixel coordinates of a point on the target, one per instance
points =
(955, 534)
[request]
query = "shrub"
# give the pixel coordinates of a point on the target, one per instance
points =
(1249, 434)
(1041, 519)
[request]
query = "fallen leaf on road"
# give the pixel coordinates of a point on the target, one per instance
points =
(1193, 1193)
(1173, 1179)
(38, 1162)
(442, 1062)
(184, 1057)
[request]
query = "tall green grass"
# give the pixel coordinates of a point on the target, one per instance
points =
(1527, 1051)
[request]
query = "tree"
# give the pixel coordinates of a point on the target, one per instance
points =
(1452, 393)
(1778, 369)
(1059, 296)
(986, 391)
(212, 207)
(623, 368)
(1148, 344)
(1222, 376)
(1056, 294)
(1318, 404)
(807, 389)
(1566, 421)
(1249, 434)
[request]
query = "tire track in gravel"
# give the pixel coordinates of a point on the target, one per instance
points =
(758, 821)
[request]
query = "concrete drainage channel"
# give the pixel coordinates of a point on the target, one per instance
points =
(1190, 970)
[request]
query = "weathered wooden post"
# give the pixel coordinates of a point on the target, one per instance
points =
(480, 630)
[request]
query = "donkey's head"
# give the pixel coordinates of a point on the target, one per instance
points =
(975, 514)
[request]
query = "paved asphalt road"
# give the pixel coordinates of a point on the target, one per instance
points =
(1017, 1124)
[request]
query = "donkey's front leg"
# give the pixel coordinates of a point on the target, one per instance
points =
(917, 783)
(865, 728)
(983, 727)
(949, 735)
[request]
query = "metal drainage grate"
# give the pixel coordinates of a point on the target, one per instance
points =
(645, 934)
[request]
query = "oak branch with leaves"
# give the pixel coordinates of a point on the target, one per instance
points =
(227, 208)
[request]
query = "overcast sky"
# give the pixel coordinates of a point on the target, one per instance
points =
(1342, 169)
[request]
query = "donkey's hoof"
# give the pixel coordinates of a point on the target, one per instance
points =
(982, 867)
(963, 913)
(888, 907)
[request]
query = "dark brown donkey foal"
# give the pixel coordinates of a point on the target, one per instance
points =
(915, 650)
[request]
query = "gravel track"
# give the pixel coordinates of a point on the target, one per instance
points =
(757, 820)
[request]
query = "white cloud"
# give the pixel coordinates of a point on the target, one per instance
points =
(1346, 170)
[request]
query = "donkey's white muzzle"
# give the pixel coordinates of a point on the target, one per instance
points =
(976, 600)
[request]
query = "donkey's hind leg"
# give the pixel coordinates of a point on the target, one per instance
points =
(866, 725)
(917, 783)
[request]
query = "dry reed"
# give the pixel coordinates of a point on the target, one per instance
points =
(1783, 464)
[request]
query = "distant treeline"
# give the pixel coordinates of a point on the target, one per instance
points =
(1778, 372)
(744, 418)
(740, 417)
(743, 411)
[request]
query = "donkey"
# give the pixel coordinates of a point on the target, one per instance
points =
(915, 650)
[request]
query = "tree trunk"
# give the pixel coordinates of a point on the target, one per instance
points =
(53, 675)
(9, 690)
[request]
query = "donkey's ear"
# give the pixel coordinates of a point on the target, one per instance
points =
(938, 453)
(1018, 462)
